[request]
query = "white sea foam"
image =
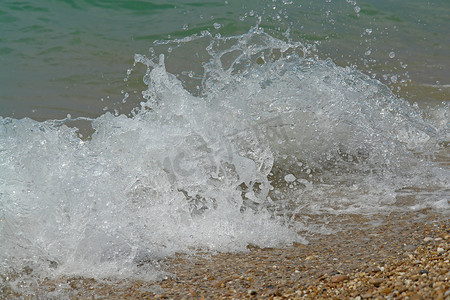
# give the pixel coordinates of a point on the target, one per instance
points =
(267, 137)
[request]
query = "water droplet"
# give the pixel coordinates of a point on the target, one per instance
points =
(357, 9)
(217, 25)
(392, 54)
(289, 178)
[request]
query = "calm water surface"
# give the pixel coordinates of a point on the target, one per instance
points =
(61, 57)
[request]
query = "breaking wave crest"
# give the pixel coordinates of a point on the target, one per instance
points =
(232, 149)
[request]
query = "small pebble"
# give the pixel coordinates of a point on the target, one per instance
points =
(440, 250)
(373, 270)
(409, 248)
(376, 281)
(339, 278)
(415, 296)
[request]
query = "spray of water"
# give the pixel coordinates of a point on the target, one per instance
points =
(229, 153)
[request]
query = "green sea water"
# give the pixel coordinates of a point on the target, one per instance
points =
(70, 57)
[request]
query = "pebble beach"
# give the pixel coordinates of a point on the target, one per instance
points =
(405, 257)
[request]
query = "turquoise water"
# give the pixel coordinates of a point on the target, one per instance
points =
(134, 130)
(61, 57)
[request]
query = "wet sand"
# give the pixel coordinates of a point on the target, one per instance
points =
(405, 257)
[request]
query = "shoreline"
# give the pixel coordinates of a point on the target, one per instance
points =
(405, 257)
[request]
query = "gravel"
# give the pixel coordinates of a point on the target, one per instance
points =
(406, 257)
